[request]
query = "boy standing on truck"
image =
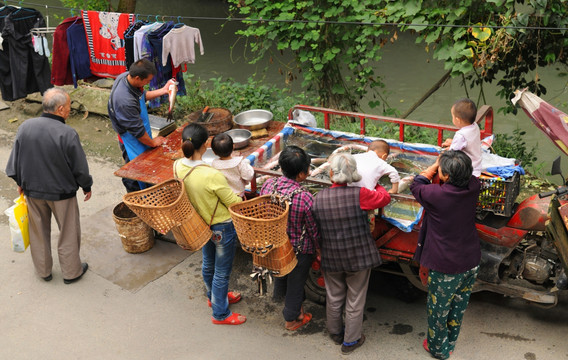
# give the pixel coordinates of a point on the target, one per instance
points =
(467, 138)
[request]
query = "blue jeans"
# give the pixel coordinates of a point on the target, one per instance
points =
(218, 255)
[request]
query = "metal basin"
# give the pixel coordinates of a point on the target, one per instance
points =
(253, 119)
(241, 137)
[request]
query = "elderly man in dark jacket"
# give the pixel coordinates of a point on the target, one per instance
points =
(348, 251)
(49, 165)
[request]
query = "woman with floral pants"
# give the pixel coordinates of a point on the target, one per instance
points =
(448, 296)
(448, 245)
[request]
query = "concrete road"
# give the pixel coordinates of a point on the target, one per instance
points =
(169, 318)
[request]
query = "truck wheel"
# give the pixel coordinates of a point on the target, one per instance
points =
(409, 288)
(315, 285)
(406, 291)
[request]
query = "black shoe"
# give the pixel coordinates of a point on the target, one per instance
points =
(337, 338)
(71, 281)
(47, 278)
(349, 349)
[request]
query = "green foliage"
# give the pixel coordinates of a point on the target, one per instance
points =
(514, 146)
(484, 54)
(385, 130)
(235, 96)
(99, 5)
(333, 58)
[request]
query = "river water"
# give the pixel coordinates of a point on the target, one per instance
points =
(406, 68)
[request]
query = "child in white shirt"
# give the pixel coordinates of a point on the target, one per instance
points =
(372, 166)
(238, 172)
(467, 138)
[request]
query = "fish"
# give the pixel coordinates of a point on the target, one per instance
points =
(318, 149)
(172, 91)
(351, 148)
(404, 183)
(318, 161)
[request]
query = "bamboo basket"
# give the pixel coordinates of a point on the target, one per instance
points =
(260, 224)
(280, 261)
(163, 206)
(192, 235)
(136, 236)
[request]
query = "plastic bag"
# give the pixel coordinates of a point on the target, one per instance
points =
(18, 220)
(303, 118)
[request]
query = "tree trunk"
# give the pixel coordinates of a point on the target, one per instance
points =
(433, 89)
(126, 6)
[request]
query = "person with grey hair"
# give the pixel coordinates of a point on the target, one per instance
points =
(348, 250)
(343, 169)
(49, 165)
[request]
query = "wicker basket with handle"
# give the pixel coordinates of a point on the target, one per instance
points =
(166, 207)
(260, 224)
(280, 261)
(161, 206)
(193, 233)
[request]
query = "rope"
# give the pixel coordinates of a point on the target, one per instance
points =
(330, 22)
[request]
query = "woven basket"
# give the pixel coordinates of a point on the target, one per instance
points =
(192, 234)
(136, 236)
(280, 261)
(260, 224)
(162, 206)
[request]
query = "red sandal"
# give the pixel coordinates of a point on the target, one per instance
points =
(299, 323)
(234, 319)
(425, 346)
(234, 297)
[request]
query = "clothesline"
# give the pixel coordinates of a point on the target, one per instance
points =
(357, 23)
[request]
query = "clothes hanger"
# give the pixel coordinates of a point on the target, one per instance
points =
(42, 30)
(20, 8)
(179, 24)
(6, 6)
(166, 27)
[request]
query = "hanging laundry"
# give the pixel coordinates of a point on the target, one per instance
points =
(29, 71)
(180, 44)
(152, 45)
(129, 41)
(5, 73)
(60, 64)
(141, 45)
(40, 45)
(78, 51)
(105, 31)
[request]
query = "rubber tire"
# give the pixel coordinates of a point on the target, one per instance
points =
(406, 291)
(313, 291)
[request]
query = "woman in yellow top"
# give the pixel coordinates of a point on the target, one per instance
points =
(210, 194)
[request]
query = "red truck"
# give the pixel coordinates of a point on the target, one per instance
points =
(524, 246)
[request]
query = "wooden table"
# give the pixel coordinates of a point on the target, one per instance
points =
(156, 165)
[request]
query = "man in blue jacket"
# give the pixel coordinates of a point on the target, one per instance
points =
(49, 165)
(129, 116)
